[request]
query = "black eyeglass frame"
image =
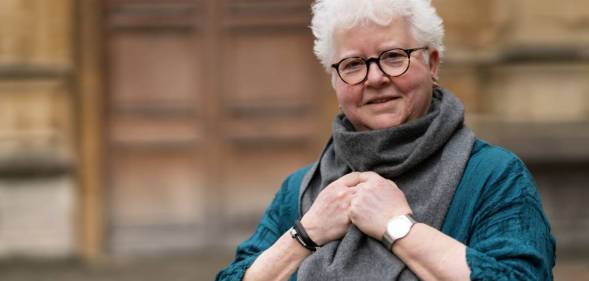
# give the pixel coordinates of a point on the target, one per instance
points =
(369, 60)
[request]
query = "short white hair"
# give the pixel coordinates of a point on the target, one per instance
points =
(426, 25)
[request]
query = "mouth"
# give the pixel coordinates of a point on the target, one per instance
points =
(381, 100)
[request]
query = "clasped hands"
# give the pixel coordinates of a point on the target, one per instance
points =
(364, 199)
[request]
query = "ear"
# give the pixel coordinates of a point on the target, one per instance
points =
(434, 62)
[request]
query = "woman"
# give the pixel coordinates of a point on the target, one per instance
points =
(403, 190)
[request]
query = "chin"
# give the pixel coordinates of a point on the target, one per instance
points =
(385, 126)
(385, 122)
(377, 121)
(388, 121)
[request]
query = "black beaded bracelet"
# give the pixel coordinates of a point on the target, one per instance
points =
(302, 237)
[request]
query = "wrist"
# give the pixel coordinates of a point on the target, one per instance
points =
(385, 219)
(299, 233)
(313, 231)
(396, 229)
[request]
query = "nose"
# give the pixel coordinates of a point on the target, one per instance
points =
(375, 77)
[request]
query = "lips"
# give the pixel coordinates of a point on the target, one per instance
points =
(381, 100)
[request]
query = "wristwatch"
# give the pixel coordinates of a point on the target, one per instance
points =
(397, 228)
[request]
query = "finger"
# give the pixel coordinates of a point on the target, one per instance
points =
(349, 180)
(393, 184)
(366, 176)
(361, 186)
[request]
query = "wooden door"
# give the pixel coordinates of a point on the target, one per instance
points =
(210, 105)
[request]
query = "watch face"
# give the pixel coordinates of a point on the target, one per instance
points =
(398, 227)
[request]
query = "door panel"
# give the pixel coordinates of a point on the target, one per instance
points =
(151, 68)
(268, 67)
(157, 186)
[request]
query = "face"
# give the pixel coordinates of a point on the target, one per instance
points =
(382, 101)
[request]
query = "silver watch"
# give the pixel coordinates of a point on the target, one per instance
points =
(397, 228)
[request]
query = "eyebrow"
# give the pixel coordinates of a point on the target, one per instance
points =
(353, 54)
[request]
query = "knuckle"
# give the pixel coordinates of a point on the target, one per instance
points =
(370, 174)
(392, 183)
(341, 194)
(355, 174)
(369, 186)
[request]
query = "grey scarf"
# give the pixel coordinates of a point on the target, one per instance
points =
(425, 157)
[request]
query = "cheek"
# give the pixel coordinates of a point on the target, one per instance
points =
(409, 83)
(418, 76)
(415, 86)
(417, 90)
(347, 95)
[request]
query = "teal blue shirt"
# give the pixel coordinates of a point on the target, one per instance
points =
(496, 212)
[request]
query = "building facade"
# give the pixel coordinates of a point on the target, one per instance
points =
(137, 127)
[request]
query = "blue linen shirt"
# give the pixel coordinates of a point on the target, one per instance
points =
(496, 212)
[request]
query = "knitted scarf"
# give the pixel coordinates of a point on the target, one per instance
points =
(425, 157)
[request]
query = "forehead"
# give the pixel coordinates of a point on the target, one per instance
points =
(369, 39)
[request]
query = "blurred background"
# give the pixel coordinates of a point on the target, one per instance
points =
(142, 139)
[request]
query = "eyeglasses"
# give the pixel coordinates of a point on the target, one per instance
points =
(394, 62)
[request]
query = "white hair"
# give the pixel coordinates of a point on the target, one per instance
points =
(426, 25)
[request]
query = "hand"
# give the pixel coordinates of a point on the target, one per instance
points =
(375, 201)
(328, 217)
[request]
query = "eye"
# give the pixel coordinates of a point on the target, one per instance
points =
(393, 57)
(351, 65)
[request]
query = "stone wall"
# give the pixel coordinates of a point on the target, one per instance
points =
(37, 185)
(521, 67)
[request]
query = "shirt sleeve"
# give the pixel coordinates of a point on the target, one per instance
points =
(276, 220)
(511, 237)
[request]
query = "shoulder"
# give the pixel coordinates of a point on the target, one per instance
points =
(492, 158)
(289, 191)
(494, 167)
(293, 181)
(496, 186)
(492, 175)
(284, 207)
(497, 180)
